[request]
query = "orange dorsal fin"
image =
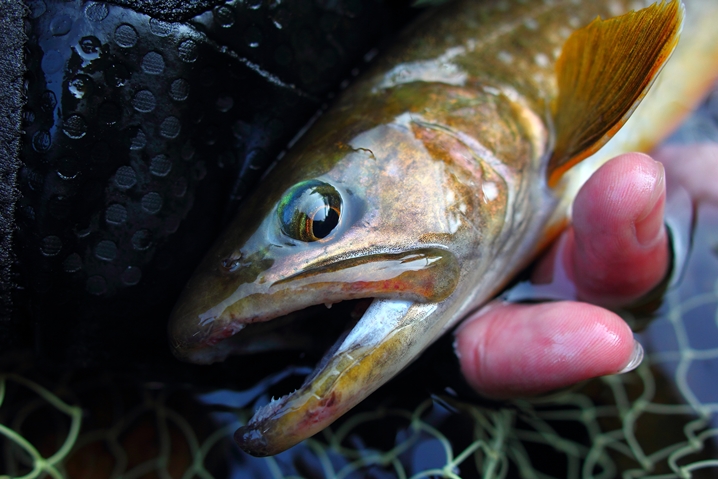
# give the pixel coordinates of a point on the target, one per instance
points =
(604, 71)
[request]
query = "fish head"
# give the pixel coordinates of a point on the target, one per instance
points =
(322, 232)
(347, 233)
(400, 211)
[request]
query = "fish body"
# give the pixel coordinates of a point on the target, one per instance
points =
(427, 186)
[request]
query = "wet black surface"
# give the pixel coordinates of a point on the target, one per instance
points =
(142, 136)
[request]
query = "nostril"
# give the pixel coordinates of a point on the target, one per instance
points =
(231, 263)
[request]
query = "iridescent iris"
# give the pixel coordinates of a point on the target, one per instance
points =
(310, 210)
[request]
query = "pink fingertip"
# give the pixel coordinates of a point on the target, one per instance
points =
(520, 350)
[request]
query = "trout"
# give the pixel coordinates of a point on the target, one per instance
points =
(431, 182)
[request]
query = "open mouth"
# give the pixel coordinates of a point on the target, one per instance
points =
(316, 332)
(367, 331)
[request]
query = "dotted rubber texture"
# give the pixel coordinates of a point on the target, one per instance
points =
(139, 133)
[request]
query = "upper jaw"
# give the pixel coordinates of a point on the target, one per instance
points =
(210, 311)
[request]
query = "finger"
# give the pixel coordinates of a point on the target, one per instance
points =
(695, 167)
(617, 247)
(513, 350)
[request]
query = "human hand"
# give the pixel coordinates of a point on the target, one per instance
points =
(615, 251)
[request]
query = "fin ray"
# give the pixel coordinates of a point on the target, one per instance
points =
(599, 91)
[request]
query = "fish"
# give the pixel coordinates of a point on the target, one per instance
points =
(429, 184)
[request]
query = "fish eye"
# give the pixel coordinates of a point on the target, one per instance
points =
(310, 210)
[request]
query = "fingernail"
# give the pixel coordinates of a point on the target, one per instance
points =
(636, 358)
(649, 225)
(456, 347)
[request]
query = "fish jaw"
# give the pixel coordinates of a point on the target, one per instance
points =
(390, 334)
(387, 338)
(209, 314)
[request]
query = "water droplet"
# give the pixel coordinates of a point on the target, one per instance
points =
(253, 36)
(225, 103)
(116, 214)
(74, 127)
(41, 141)
(179, 90)
(106, 250)
(37, 8)
(96, 11)
(126, 36)
(256, 159)
(125, 177)
(90, 46)
(34, 179)
(281, 18)
(224, 16)
(60, 25)
(131, 276)
(28, 117)
(144, 101)
(187, 152)
(160, 165)
(48, 101)
(82, 232)
(187, 51)
(138, 139)
(152, 202)
(199, 170)
(170, 127)
(141, 240)
(179, 187)
(79, 85)
(172, 223)
(52, 62)
(153, 63)
(67, 169)
(50, 245)
(72, 263)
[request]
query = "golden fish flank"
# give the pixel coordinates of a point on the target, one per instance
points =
(428, 185)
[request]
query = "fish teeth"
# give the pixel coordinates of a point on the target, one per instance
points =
(328, 305)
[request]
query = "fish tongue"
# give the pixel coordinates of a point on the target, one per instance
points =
(382, 343)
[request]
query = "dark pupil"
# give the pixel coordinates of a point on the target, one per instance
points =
(325, 220)
(310, 211)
